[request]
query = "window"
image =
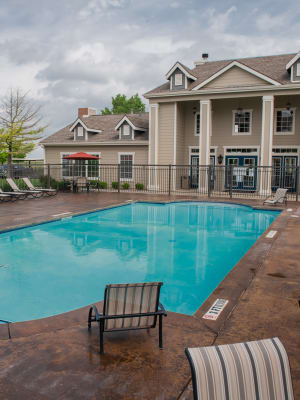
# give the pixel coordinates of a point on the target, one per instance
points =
(197, 124)
(126, 166)
(88, 168)
(285, 121)
(80, 131)
(178, 79)
(242, 122)
(298, 69)
(126, 130)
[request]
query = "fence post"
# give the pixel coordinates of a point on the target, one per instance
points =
(170, 177)
(297, 182)
(231, 178)
(119, 177)
(48, 176)
(209, 181)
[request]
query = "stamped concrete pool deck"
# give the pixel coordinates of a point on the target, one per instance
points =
(56, 358)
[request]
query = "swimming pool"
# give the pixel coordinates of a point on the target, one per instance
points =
(52, 268)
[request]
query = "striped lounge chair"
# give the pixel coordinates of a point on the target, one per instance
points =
(251, 371)
(33, 193)
(47, 192)
(279, 197)
(129, 307)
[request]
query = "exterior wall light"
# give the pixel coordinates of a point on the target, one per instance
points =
(220, 159)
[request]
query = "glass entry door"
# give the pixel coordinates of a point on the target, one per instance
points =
(284, 172)
(243, 172)
(195, 171)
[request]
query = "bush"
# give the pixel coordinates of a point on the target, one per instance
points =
(125, 186)
(139, 186)
(115, 185)
(102, 185)
(94, 184)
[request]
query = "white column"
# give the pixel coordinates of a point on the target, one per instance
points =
(266, 144)
(174, 146)
(204, 141)
(153, 145)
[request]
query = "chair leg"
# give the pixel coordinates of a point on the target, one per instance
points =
(90, 318)
(160, 332)
(101, 329)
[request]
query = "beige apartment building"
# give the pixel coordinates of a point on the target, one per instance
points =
(243, 113)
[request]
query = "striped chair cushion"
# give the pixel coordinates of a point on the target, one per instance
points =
(249, 371)
(131, 299)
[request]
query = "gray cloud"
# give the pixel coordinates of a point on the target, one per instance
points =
(72, 53)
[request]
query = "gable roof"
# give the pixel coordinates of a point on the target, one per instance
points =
(293, 60)
(136, 123)
(102, 128)
(188, 72)
(271, 67)
(242, 66)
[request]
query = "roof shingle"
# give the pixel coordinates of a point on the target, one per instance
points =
(105, 123)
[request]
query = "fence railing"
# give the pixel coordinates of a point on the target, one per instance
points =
(192, 180)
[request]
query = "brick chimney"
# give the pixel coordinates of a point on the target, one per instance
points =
(86, 112)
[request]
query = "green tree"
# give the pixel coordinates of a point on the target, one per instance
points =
(122, 105)
(20, 125)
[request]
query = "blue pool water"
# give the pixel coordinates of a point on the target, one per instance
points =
(60, 266)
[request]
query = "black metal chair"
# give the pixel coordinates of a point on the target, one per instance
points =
(129, 307)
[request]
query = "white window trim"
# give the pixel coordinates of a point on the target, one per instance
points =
(63, 153)
(286, 147)
(275, 122)
(179, 76)
(233, 124)
(195, 124)
(298, 70)
(197, 154)
(82, 131)
(125, 153)
(252, 153)
(128, 132)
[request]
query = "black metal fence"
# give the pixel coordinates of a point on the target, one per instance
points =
(212, 181)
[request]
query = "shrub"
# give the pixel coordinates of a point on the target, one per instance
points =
(125, 186)
(102, 185)
(94, 184)
(139, 186)
(115, 185)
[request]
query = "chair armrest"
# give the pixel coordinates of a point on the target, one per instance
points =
(162, 308)
(97, 314)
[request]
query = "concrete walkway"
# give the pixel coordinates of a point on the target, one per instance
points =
(56, 358)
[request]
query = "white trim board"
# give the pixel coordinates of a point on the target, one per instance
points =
(293, 60)
(242, 66)
(78, 121)
(125, 118)
(182, 69)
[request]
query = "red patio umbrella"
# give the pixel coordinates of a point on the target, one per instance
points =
(81, 156)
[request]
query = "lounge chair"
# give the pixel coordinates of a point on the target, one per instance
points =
(278, 198)
(16, 195)
(5, 197)
(129, 307)
(48, 192)
(252, 370)
(33, 193)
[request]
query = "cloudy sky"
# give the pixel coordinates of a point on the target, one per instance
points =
(74, 53)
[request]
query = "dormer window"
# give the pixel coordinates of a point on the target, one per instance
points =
(80, 131)
(178, 80)
(126, 130)
(180, 77)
